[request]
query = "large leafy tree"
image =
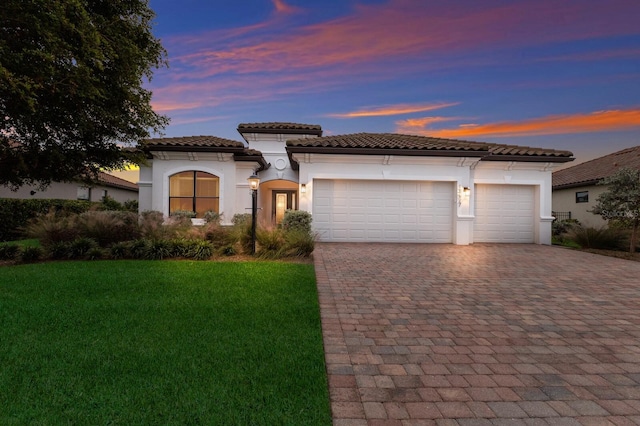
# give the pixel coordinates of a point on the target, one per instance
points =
(71, 86)
(620, 203)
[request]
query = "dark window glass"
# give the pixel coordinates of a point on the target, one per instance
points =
(582, 197)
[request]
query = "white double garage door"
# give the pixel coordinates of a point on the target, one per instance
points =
(421, 212)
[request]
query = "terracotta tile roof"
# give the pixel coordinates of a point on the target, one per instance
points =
(114, 181)
(191, 142)
(423, 145)
(252, 155)
(281, 127)
(590, 172)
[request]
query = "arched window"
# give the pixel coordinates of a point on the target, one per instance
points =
(194, 191)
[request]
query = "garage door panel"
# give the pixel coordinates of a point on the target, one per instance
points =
(504, 213)
(383, 210)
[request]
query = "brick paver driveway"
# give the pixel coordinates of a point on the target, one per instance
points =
(479, 335)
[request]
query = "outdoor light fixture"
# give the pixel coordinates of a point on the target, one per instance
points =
(303, 188)
(463, 193)
(254, 183)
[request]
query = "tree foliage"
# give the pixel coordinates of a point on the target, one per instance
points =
(620, 203)
(71, 87)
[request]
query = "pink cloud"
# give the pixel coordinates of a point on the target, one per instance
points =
(404, 28)
(599, 121)
(392, 110)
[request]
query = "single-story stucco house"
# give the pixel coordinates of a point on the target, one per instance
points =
(361, 187)
(119, 189)
(576, 189)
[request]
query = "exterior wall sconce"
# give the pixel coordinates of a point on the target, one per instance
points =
(254, 183)
(303, 188)
(464, 192)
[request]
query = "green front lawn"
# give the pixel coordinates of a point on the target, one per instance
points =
(173, 342)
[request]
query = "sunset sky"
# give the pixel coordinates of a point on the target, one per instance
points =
(561, 74)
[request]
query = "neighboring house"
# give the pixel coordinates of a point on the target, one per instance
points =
(575, 188)
(360, 187)
(116, 188)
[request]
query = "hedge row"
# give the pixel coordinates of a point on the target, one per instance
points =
(15, 213)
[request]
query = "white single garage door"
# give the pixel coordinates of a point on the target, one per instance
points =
(383, 211)
(504, 214)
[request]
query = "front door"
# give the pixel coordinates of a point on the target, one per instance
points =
(283, 200)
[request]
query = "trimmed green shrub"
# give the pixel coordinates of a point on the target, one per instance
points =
(9, 251)
(297, 220)
(158, 250)
(139, 248)
(200, 250)
(60, 250)
(119, 250)
(80, 247)
(31, 254)
(95, 253)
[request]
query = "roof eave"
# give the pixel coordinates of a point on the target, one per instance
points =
(253, 158)
(528, 158)
(590, 182)
(315, 132)
(385, 151)
(185, 148)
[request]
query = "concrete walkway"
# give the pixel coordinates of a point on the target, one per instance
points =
(479, 335)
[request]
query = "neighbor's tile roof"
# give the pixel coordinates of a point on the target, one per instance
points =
(591, 172)
(392, 141)
(192, 142)
(280, 127)
(114, 181)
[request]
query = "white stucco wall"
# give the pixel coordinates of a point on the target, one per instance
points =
(234, 188)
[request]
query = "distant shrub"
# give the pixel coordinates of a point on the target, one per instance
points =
(131, 206)
(560, 227)
(212, 217)
(108, 203)
(183, 214)
(241, 219)
(297, 220)
(16, 213)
